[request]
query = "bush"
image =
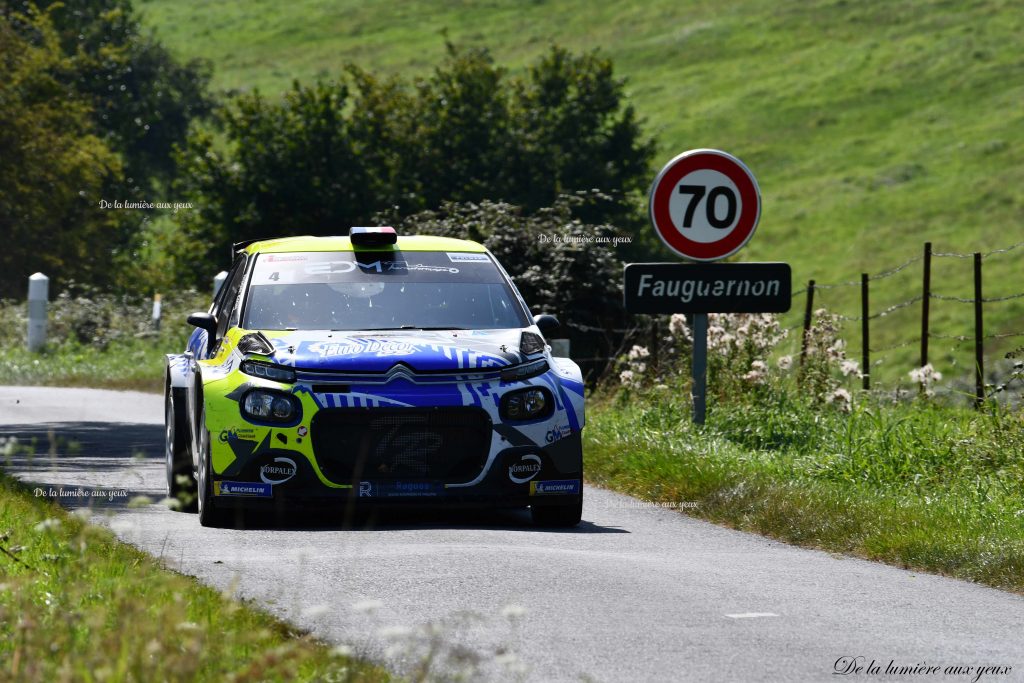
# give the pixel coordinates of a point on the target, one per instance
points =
(334, 154)
(560, 265)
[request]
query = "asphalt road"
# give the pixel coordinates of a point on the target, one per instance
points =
(634, 594)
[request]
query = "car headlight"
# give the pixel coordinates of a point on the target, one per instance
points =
(270, 406)
(530, 343)
(277, 373)
(524, 371)
(527, 404)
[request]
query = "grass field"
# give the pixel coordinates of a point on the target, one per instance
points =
(872, 126)
(77, 605)
(918, 486)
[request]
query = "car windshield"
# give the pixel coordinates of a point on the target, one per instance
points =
(379, 291)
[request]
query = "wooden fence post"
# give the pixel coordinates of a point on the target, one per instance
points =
(926, 295)
(865, 338)
(808, 314)
(979, 334)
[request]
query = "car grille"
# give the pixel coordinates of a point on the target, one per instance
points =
(390, 444)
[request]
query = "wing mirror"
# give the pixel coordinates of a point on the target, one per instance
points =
(546, 322)
(204, 321)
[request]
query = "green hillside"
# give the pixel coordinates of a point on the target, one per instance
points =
(872, 125)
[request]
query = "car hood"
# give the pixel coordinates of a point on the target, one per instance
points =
(423, 351)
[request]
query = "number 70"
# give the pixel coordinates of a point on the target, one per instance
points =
(697, 192)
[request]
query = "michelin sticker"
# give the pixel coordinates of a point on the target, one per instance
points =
(526, 469)
(559, 487)
(242, 488)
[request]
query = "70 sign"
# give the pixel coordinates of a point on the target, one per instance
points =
(705, 204)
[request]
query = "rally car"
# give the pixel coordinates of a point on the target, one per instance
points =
(372, 369)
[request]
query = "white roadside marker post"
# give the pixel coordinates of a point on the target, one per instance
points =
(218, 281)
(38, 296)
(157, 310)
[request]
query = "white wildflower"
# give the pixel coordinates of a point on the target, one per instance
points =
(638, 352)
(678, 327)
(367, 606)
(47, 524)
(314, 611)
(849, 367)
(925, 375)
(785, 362)
(513, 611)
(394, 632)
(841, 398)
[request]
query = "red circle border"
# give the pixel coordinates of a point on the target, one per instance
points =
(666, 182)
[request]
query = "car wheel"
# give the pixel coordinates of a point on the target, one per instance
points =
(554, 516)
(181, 483)
(209, 515)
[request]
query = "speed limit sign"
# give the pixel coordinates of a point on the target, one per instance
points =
(705, 204)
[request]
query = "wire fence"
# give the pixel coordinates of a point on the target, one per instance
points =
(812, 293)
(978, 301)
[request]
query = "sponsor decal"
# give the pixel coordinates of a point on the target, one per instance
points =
(526, 469)
(381, 347)
(281, 258)
(396, 489)
(328, 268)
(278, 472)
(302, 431)
(557, 432)
(556, 487)
(242, 488)
(467, 258)
(237, 433)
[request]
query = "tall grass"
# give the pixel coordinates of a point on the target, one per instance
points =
(97, 340)
(914, 484)
(77, 605)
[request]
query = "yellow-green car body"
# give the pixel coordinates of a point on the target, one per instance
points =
(373, 369)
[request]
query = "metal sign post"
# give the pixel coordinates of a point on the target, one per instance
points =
(704, 206)
(700, 367)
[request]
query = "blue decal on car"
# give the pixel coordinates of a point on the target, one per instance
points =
(242, 488)
(555, 487)
(396, 489)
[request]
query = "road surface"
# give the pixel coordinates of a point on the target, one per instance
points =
(634, 594)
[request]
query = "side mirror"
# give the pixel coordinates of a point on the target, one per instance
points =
(547, 323)
(204, 321)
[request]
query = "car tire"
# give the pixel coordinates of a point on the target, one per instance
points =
(558, 516)
(181, 482)
(209, 514)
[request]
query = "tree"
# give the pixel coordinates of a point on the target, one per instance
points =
(333, 154)
(560, 264)
(143, 99)
(53, 165)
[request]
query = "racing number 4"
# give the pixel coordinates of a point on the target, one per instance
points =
(697, 192)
